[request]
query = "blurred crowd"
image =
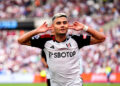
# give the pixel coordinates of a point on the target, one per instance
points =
(14, 8)
(96, 58)
(90, 12)
(43, 8)
(15, 58)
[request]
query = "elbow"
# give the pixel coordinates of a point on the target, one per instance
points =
(20, 41)
(103, 38)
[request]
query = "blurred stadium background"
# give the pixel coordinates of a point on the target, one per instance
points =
(22, 64)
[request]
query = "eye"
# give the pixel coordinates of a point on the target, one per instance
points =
(58, 23)
(64, 22)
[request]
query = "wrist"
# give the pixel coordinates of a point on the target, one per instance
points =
(85, 28)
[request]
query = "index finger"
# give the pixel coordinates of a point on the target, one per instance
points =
(50, 27)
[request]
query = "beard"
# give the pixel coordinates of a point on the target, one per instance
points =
(61, 34)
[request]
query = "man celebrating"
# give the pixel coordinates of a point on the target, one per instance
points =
(62, 51)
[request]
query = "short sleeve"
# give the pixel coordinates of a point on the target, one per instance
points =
(39, 40)
(82, 40)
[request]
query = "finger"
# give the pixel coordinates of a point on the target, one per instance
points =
(75, 23)
(44, 23)
(71, 27)
(51, 27)
(78, 24)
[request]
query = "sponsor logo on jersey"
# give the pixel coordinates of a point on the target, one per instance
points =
(61, 54)
(52, 47)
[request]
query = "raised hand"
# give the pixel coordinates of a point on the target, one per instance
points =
(50, 27)
(76, 26)
(43, 28)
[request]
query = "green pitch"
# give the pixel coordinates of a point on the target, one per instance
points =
(102, 84)
(43, 84)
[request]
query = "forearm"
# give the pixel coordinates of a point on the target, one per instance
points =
(44, 62)
(24, 39)
(97, 35)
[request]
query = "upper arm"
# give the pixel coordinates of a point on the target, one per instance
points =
(95, 41)
(36, 41)
(39, 41)
(82, 40)
(20, 41)
(26, 43)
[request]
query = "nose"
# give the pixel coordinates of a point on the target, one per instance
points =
(62, 26)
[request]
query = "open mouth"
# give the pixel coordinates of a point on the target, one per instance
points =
(62, 29)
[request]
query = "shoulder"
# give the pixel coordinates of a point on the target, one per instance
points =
(81, 36)
(82, 40)
(40, 40)
(42, 36)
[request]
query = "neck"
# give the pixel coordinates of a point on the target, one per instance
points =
(60, 38)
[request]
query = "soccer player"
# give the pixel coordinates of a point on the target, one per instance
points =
(62, 51)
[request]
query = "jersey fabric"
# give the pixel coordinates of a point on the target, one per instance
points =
(62, 58)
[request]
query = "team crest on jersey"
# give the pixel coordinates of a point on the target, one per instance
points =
(68, 45)
(52, 47)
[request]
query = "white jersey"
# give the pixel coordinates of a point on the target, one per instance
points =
(80, 63)
(62, 58)
(48, 73)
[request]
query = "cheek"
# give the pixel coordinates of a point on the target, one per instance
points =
(56, 27)
(66, 25)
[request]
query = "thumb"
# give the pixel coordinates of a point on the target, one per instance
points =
(44, 24)
(71, 26)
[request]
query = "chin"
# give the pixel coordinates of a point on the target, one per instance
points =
(62, 33)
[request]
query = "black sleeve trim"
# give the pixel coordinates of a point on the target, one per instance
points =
(39, 41)
(82, 40)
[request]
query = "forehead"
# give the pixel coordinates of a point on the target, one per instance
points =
(60, 19)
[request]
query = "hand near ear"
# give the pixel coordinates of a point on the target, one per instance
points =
(76, 26)
(43, 28)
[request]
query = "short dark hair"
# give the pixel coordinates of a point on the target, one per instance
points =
(57, 15)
